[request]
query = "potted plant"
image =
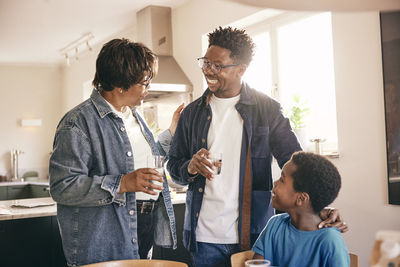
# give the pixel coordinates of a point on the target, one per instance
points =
(297, 116)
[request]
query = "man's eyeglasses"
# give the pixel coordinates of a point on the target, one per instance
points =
(204, 64)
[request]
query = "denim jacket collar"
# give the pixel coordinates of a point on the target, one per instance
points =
(246, 96)
(103, 108)
(100, 103)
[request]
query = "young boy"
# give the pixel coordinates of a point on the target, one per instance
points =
(308, 183)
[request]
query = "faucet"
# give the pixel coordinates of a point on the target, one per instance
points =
(14, 165)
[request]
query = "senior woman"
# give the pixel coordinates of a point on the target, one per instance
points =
(107, 208)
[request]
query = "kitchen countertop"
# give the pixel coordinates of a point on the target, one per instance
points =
(6, 206)
(45, 207)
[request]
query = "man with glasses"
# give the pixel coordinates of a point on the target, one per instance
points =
(225, 212)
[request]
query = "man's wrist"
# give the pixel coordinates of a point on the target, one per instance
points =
(190, 173)
(191, 177)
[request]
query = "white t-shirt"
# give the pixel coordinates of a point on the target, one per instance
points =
(219, 213)
(140, 147)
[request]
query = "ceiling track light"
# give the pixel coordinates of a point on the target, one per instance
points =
(76, 53)
(67, 59)
(73, 47)
(88, 46)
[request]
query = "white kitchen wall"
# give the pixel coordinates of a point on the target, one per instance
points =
(360, 109)
(361, 130)
(28, 92)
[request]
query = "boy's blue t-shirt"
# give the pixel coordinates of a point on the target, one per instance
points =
(284, 245)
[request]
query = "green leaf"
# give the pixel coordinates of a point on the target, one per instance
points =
(298, 112)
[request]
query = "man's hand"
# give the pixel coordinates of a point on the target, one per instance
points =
(332, 218)
(175, 119)
(140, 181)
(200, 164)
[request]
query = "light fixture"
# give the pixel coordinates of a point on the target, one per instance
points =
(74, 47)
(31, 122)
(88, 46)
(67, 59)
(76, 53)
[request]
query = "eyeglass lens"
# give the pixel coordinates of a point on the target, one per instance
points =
(205, 64)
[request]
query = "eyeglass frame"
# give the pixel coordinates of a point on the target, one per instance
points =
(209, 64)
(146, 84)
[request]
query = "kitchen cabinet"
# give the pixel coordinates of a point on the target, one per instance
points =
(3, 193)
(17, 192)
(31, 242)
(10, 192)
(39, 191)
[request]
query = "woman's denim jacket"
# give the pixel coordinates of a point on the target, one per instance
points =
(266, 130)
(91, 152)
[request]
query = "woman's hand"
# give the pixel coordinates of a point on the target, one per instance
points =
(332, 218)
(141, 181)
(175, 118)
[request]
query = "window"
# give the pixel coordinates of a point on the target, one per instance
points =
(294, 57)
(258, 74)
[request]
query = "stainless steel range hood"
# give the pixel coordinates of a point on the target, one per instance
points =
(155, 31)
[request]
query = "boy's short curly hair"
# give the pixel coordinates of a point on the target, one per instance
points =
(237, 41)
(122, 63)
(316, 176)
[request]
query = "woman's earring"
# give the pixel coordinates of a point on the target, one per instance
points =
(120, 90)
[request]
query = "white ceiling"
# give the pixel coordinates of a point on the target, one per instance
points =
(326, 5)
(34, 31)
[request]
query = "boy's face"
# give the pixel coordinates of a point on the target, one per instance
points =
(283, 194)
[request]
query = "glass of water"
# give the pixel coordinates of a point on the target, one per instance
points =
(216, 160)
(156, 162)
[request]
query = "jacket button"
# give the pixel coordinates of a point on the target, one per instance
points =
(208, 117)
(129, 153)
(133, 240)
(131, 212)
(197, 214)
(203, 140)
(200, 189)
(122, 129)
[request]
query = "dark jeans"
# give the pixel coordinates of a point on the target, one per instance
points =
(217, 255)
(214, 255)
(145, 230)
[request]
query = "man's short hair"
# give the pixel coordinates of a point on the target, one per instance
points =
(237, 41)
(122, 63)
(316, 176)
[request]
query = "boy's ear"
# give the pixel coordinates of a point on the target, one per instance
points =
(302, 199)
